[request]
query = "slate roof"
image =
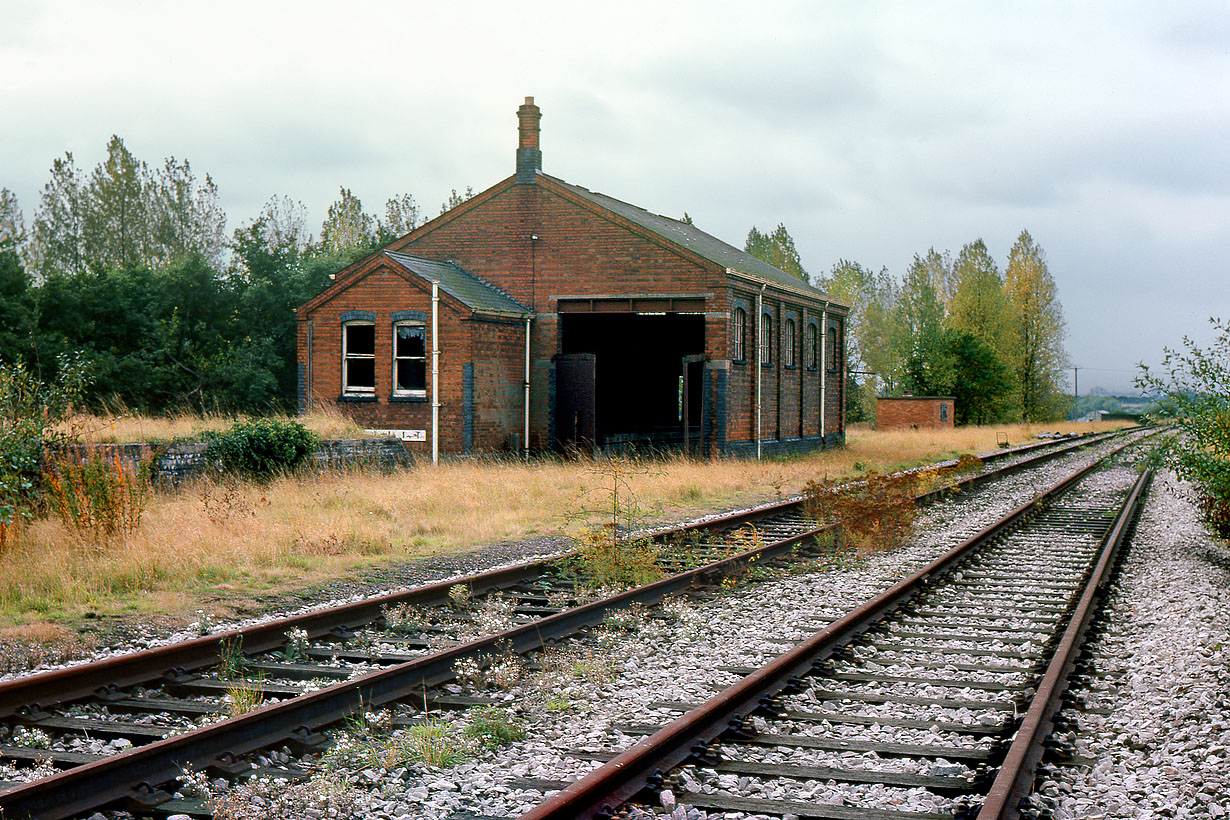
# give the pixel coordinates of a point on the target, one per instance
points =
(694, 239)
(471, 291)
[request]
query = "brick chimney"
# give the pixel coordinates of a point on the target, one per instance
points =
(529, 155)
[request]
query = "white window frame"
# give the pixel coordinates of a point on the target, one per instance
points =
(397, 360)
(788, 342)
(348, 357)
(740, 334)
(766, 339)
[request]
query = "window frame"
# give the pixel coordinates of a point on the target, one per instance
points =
(738, 334)
(788, 343)
(349, 389)
(810, 354)
(412, 393)
(830, 337)
(765, 342)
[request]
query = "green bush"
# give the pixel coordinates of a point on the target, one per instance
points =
(1194, 387)
(30, 411)
(260, 448)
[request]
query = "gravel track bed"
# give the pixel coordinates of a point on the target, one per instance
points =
(678, 660)
(668, 659)
(1163, 667)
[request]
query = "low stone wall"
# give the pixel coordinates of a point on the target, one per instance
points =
(172, 464)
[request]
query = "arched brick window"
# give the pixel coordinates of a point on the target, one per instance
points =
(738, 335)
(788, 343)
(766, 339)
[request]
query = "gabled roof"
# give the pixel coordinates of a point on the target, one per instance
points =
(695, 240)
(473, 292)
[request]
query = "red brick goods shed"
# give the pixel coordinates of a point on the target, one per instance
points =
(540, 315)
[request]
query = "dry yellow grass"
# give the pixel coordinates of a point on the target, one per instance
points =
(210, 545)
(122, 426)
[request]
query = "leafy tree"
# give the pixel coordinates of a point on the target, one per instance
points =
(871, 327)
(57, 233)
(17, 306)
(455, 199)
(982, 385)
(1036, 331)
(348, 230)
(920, 316)
(978, 303)
(401, 216)
(116, 219)
(776, 248)
(186, 217)
(1195, 384)
(12, 222)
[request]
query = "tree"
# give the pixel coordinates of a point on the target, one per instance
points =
(347, 230)
(18, 319)
(455, 199)
(401, 216)
(777, 249)
(115, 221)
(870, 325)
(186, 217)
(12, 222)
(1195, 385)
(982, 385)
(920, 316)
(978, 303)
(1036, 331)
(57, 233)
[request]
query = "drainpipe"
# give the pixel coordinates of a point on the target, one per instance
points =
(824, 366)
(759, 365)
(435, 372)
(525, 439)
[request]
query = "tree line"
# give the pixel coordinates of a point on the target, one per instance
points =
(958, 327)
(950, 327)
(131, 270)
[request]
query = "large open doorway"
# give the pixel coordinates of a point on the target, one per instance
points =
(642, 388)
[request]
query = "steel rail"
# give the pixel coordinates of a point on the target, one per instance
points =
(42, 690)
(598, 794)
(1016, 775)
(132, 776)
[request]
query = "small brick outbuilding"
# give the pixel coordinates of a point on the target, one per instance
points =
(914, 411)
(567, 318)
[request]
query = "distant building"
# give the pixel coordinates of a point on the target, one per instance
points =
(567, 318)
(915, 411)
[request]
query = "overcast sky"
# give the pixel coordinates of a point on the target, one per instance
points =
(873, 131)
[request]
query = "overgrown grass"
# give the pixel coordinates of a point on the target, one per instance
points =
(208, 546)
(119, 425)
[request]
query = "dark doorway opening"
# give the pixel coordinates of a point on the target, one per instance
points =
(639, 374)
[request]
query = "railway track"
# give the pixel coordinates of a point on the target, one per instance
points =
(934, 700)
(153, 704)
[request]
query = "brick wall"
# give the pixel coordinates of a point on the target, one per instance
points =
(914, 411)
(476, 393)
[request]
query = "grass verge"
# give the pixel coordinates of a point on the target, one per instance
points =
(214, 545)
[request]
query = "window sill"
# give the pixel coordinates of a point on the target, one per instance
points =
(738, 361)
(790, 367)
(357, 397)
(407, 399)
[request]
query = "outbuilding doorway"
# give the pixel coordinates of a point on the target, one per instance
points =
(642, 389)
